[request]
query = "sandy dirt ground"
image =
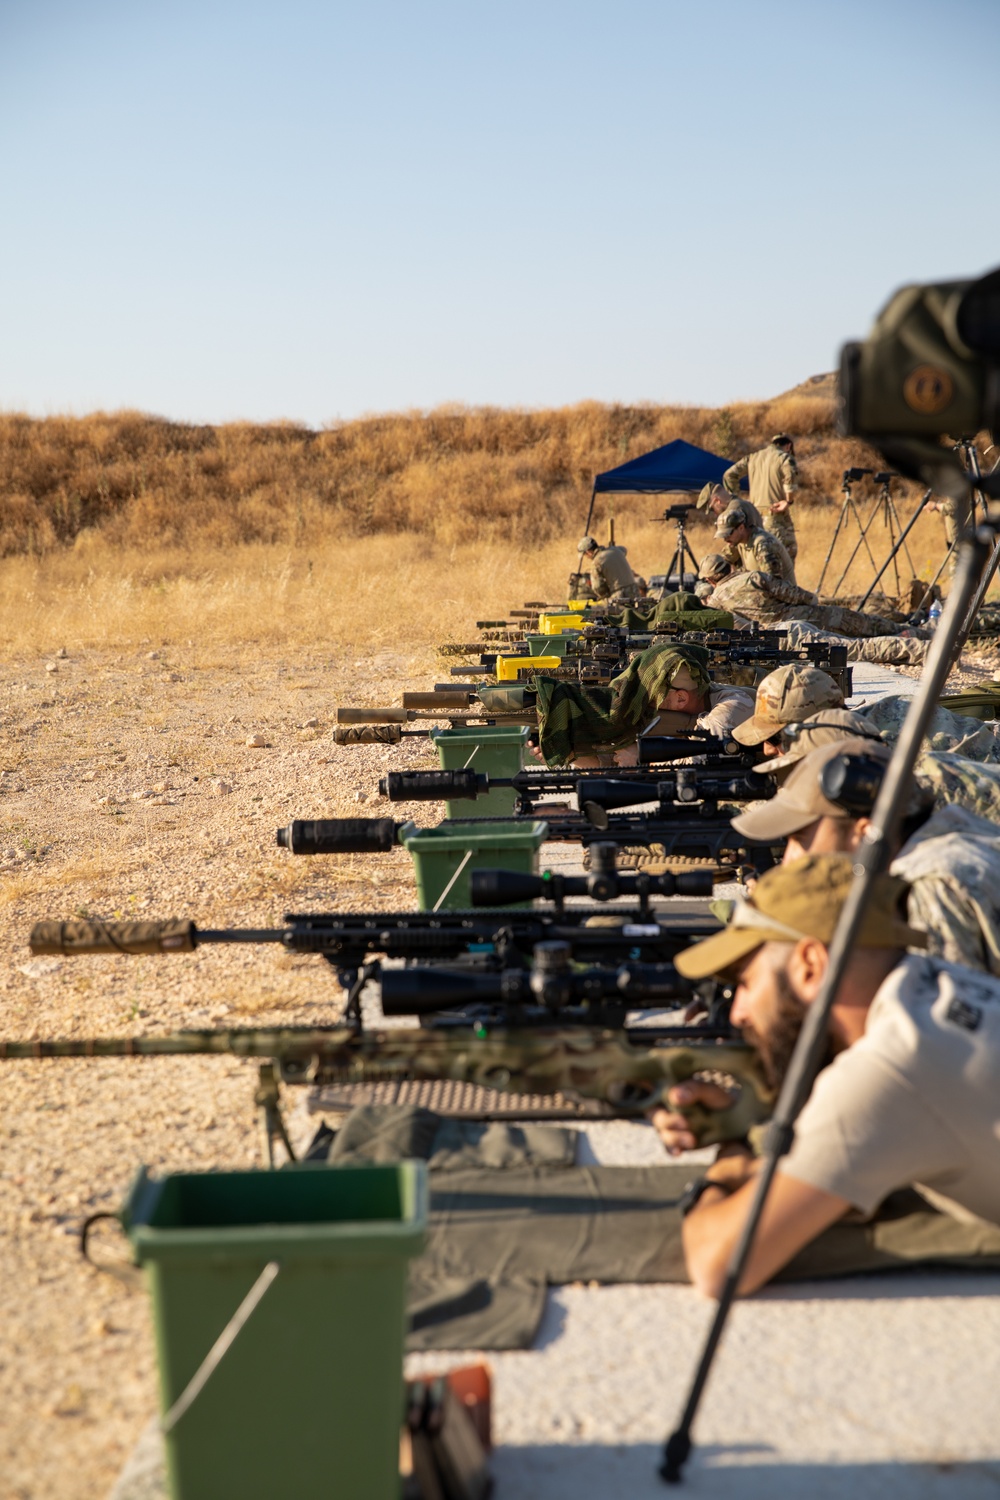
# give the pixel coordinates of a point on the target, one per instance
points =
(129, 790)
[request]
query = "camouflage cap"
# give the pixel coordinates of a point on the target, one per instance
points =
(785, 696)
(800, 800)
(713, 565)
(586, 544)
(826, 728)
(797, 900)
(730, 519)
(781, 438)
(705, 495)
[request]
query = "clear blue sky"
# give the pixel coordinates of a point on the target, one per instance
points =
(313, 209)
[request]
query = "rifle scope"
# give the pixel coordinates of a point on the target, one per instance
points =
(507, 887)
(687, 785)
(552, 983)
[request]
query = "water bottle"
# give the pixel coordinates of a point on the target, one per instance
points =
(934, 614)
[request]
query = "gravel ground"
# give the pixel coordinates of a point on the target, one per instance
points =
(129, 789)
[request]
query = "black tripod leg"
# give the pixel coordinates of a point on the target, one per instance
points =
(902, 539)
(872, 858)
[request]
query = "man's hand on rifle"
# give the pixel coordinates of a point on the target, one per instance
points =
(673, 1127)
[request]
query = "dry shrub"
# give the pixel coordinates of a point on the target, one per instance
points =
(456, 473)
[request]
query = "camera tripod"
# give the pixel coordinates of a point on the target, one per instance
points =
(682, 550)
(884, 508)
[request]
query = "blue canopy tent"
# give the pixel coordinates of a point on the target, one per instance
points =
(677, 467)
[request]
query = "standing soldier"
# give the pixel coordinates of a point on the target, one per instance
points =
(772, 474)
(610, 571)
(758, 550)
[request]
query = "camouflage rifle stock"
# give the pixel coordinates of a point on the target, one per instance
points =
(627, 1072)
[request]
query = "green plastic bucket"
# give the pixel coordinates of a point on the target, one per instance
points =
(550, 645)
(492, 749)
(444, 858)
(307, 1399)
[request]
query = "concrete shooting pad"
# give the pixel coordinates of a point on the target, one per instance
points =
(877, 1386)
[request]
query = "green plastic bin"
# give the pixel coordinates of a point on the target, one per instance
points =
(492, 749)
(307, 1400)
(550, 645)
(444, 858)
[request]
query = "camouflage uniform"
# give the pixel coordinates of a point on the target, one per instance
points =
(705, 497)
(953, 866)
(612, 576)
(885, 650)
(714, 566)
(769, 600)
(762, 553)
(772, 473)
(965, 738)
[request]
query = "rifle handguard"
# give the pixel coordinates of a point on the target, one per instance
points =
(71, 938)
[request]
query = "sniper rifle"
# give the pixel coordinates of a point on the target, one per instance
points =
(627, 1071)
(687, 832)
(632, 788)
(490, 941)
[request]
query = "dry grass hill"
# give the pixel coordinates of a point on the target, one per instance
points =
(454, 474)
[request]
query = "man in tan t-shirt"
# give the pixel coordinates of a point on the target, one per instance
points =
(772, 474)
(911, 1097)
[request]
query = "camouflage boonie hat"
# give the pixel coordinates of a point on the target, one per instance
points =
(730, 519)
(713, 565)
(802, 899)
(786, 696)
(824, 728)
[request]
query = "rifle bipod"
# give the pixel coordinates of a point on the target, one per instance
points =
(267, 1097)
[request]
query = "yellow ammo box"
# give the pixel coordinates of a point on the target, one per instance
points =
(508, 666)
(556, 624)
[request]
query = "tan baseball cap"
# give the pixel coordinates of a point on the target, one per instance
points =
(800, 800)
(802, 899)
(730, 519)
(683, 679)
(705, 494)
(825, 728)
(586, 544)
(713, 565)
(786, 696)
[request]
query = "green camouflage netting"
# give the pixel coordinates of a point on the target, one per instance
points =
(574, 720)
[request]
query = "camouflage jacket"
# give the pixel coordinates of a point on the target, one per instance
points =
(764, 553)
(574, 720)
(966, 739)
(772, 474)
(611, 573)
(953, 867)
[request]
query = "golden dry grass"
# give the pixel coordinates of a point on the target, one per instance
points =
(388, 594)
(457, 474)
